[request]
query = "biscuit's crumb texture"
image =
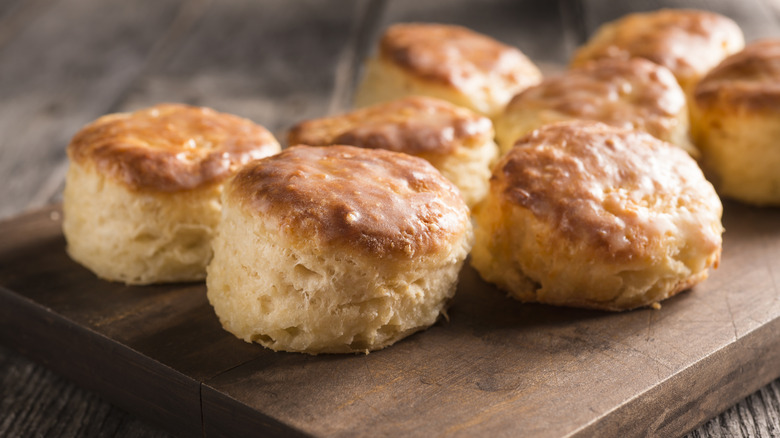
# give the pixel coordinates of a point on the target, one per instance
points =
(587, 215)
(336, 249)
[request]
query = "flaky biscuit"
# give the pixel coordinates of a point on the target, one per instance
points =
(336, 249)
(142, 191)
(588, 215)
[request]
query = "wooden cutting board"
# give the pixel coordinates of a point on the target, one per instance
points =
(497, 368)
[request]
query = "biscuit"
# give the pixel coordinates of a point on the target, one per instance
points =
(457, 141)
(142, 193)
(688, 42)
(447, 62)
(336, 249)
(587, 215)
(631, 93)
(737, 124)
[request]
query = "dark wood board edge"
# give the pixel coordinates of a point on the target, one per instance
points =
(699, 392)
(147, 388)
(224, 416)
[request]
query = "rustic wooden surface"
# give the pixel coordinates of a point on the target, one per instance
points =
(65, 62)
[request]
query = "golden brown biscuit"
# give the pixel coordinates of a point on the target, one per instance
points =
(588, 215)
(142, 192)
(457, 141)
(336, 249)
(627, 93)
(737, 124)
(448, 62)
(688, 42)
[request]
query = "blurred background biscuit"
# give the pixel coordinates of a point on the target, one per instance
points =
(448, 62)
(737, 124)
(626, 93)
(686, 41)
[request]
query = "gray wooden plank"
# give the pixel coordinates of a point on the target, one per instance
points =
(34, 401)
(65, 68)
(267, 61)
(18, 14)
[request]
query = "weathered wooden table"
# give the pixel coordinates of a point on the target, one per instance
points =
(65, 62)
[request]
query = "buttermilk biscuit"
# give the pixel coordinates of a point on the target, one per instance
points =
(455, 140)
(449, 62)
(336, 249)
(587, 215)
(142, 194)
(737, 124)
(687, 42)
(631, 93)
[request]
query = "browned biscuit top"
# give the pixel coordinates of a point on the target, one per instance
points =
(456, 56)
(688, 42)
(633, 93)
(414, 125)
(620, 191)
(170, 147)
(748, 79)
(370, 200)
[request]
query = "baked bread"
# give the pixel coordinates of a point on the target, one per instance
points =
(142, 193)
(627, 93)
(688, 42)
(457, 141)
(448, 62)
(737, 124)
(336, 249)
(584, 214)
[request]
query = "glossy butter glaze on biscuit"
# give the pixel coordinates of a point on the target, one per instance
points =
(142, 194)
(626, 93)
(449, 62)
(587, 215)
(336, 249)
(170, 147)
(457, 141)
(737, 123)
(688, 42)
